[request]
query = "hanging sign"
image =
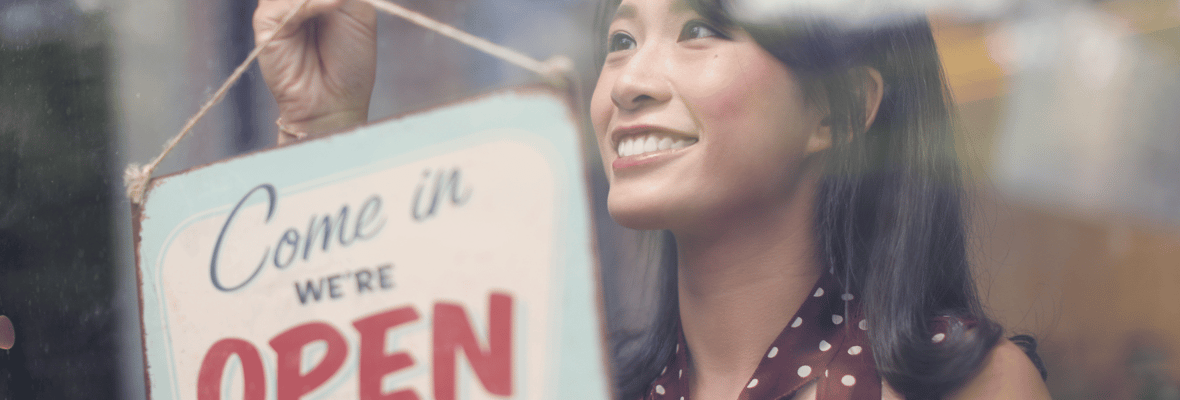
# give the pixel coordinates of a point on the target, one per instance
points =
(444, 255)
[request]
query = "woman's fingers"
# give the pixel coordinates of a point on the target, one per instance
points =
(270, 14)
(7, 333)
(321, 65)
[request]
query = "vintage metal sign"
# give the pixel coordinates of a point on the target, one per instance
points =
(444, 255)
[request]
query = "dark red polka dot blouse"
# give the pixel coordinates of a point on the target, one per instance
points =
(825, 343)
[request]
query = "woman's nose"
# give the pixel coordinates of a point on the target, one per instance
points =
(642, 81)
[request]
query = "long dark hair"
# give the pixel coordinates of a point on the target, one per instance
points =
(889, 223)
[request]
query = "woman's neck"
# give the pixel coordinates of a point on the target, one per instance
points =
(739, 285)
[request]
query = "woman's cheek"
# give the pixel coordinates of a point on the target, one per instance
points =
(600, 115)
(722, 91)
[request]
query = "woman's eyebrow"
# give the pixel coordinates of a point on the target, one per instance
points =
(680, 7)
(626, 11)
(629, 11)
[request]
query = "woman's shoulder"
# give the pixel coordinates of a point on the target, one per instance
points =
(1008, 373)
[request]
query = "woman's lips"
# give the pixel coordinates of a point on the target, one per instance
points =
(645, 144)
(622, 163)
(651, 141)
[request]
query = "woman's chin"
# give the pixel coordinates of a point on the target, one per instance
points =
(640, 216)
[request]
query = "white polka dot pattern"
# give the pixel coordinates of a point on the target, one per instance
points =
(864, 325)
(938, 337)
(848, 380)
(799, 354)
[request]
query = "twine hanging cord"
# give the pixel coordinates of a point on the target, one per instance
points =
(555, 71)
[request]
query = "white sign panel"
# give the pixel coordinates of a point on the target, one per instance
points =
(445, 255)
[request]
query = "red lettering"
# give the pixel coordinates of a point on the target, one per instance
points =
(452, 330)
(212, 368)
(289, 347)
(374, 363)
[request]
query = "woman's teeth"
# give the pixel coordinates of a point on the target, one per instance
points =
(636, 145)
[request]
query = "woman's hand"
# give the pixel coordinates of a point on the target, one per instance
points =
(322, 64)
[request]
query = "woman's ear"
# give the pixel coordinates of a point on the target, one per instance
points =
(867, 82)
(873, 87)
(821, 137)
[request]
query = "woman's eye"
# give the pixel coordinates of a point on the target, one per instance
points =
(698, 30)
(620, 41)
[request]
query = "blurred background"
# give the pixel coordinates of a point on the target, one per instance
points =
(1070, 124)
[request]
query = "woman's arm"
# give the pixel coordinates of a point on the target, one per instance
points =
(322, 65)
(1008, 373)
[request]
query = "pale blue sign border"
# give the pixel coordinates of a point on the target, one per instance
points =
(175, 201)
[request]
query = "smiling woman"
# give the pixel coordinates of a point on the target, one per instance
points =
(743, 126)
(816, 154)
(804, 174)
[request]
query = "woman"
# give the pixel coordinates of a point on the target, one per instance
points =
(806, 179)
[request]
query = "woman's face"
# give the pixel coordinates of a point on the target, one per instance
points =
(697, 122)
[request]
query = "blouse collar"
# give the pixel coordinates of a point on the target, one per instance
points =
(824, 342)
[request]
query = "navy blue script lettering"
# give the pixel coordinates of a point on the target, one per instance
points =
(270, 211)
(291, 243)
(445, 182)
